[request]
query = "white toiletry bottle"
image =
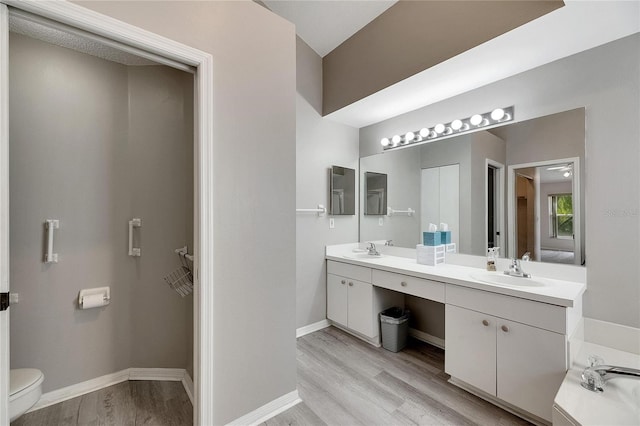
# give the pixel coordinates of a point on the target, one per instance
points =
(492, 253)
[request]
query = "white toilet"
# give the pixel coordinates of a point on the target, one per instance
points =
(25, 388)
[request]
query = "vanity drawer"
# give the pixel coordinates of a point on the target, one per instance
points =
(419, 287)
(538, 314)
(359, 273)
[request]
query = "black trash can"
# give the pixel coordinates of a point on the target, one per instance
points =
(394, 326)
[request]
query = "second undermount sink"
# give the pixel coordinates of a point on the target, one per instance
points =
(507, 280)
(362, 256)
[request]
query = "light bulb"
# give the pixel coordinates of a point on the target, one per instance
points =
(385, 141)
(476, 119)
(567, 174)
(396, 139)
(497, 114)
(456, 124)
(409, 137)
(439, 128)
(424, 132)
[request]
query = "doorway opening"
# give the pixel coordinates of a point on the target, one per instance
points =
(131, 39)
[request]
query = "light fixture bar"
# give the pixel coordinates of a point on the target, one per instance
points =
(455, 127)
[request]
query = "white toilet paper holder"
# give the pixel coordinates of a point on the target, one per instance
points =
(104, 291)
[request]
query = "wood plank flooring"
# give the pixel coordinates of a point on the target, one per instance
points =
(341, 380)
(344, 381)
(124, 404)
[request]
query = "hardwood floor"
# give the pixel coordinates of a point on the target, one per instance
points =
(128, 403)
(344, 381)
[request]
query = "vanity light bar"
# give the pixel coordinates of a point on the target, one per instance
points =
(455, 127)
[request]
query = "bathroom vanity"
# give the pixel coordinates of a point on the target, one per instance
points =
(505, 341)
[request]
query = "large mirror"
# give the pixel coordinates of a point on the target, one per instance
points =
(342, 199)
(518, 187)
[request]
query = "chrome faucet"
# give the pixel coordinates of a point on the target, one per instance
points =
(388, 243)
(372, 251)
(515, 269)
(593, 377)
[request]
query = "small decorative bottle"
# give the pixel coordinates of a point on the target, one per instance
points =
(492, 254)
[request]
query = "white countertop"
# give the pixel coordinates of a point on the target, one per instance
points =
(619, 404)
(556, 292)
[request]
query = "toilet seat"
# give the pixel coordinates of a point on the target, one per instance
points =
(22, 380)
(25, 389)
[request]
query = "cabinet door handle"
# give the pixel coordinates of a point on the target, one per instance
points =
(505, 328)
(403, 283)
(485, 323)
(343, 282)
(350, 284)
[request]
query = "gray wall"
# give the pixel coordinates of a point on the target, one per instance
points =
(254, 198)
(605, 81)
(160, 165)
(91, 143)
(403, 191)
(320, 144)
(412, 36)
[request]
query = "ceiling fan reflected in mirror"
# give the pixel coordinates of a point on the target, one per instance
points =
(565, 169)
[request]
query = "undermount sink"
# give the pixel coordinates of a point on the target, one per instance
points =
(362, 256)
(625, 390)
(508, 280)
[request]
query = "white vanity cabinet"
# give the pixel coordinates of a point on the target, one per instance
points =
(353, 302)
(489, 348)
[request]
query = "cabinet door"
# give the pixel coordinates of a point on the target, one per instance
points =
(531, 366)
(470, 347)
(360, 308)
(337, 299)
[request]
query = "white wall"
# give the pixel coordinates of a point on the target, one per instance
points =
(320, 143)
(254, 197)
(94, 144)
(605, 81)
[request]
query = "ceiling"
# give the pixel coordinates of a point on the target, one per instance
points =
(324, 25)
(578, 26)
(54, 34)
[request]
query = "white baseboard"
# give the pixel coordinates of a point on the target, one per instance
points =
(612, 335)
(269, 410)
(79, 389)
(307, 329)
(167, 374)
(82, 388)
(427, 338)
(188, 385)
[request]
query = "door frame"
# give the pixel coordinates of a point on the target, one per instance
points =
(577, 213)
(112, 29)
(499, 168)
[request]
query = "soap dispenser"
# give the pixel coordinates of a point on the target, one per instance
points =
(492, 255)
